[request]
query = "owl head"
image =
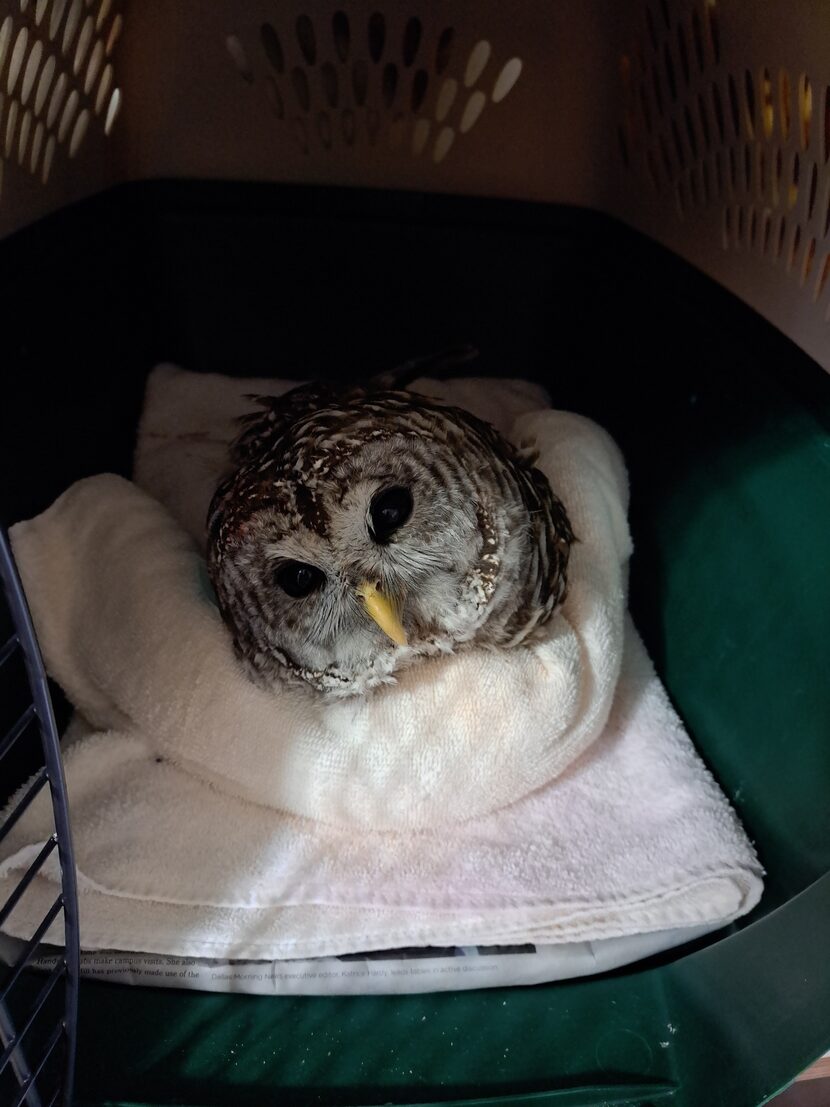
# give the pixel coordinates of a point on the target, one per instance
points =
(362, 530)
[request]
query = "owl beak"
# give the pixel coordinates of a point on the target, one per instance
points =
(382, 610)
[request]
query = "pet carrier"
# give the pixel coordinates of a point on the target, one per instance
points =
(628, 202)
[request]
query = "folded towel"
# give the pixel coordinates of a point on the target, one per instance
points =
(127, 627)
(173, 856)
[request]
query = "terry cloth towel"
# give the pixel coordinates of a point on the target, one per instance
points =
(454, 738)
(424, 752)
(173, 855)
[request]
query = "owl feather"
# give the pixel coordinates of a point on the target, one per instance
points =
(350, 510)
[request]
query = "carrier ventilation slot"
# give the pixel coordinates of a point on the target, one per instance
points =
(340, 85)
(56, 78)
(755, 144)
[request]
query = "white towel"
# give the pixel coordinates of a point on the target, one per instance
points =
(174, 858)
(455, 737)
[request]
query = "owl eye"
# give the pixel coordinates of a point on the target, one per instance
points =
(298, 579)
(389, 510)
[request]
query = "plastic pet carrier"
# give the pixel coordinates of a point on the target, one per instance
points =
(626, 200)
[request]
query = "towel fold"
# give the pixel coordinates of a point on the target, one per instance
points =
(635, 837)
(128, 628)
(212, 819)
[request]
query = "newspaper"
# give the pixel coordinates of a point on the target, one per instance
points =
(427, 969)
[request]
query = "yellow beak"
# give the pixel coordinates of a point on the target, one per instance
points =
(383, 611)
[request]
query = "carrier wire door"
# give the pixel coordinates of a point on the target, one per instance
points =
(37, 1030)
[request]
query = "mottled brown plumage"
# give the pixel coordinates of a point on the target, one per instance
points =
(477, 551)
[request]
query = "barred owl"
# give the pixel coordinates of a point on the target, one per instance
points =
(362, 527)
